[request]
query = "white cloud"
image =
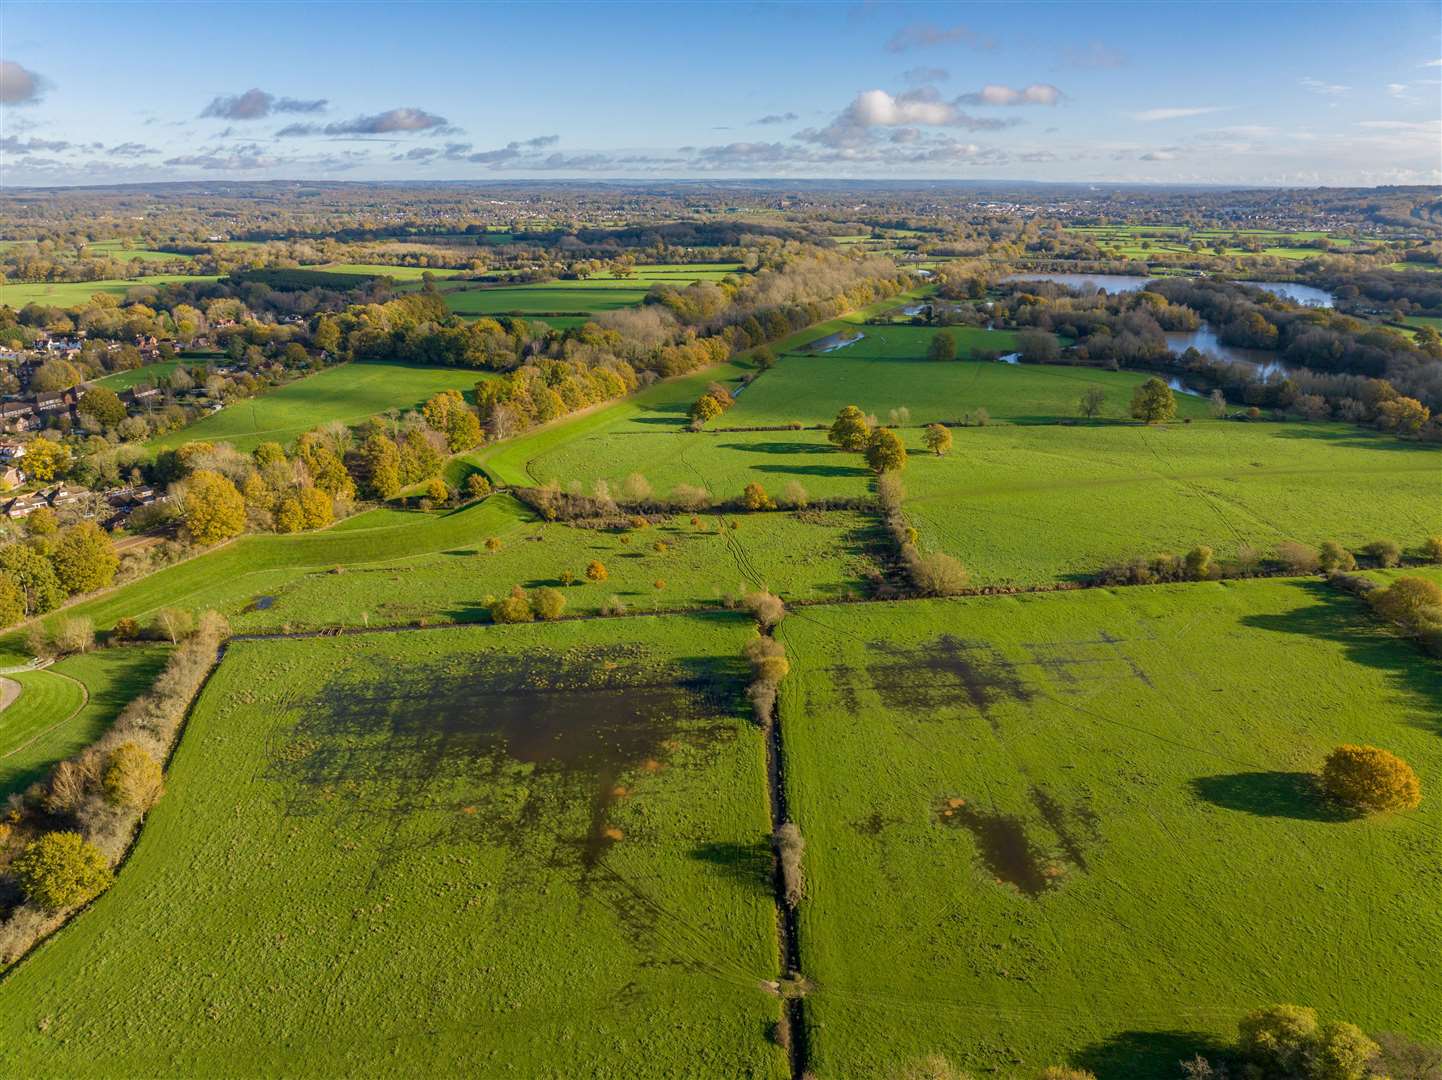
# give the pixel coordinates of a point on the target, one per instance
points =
(1326, 89)
(877, 109)
(1175, 113)
(996, 94)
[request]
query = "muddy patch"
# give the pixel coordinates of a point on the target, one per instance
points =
(1002, 846)
(947, 673)
(1075, 827)
(1098, 659)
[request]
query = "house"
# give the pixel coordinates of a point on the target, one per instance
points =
(10, 450)
(11, 478)
(22, 506)
(17, 416)
(50, 401)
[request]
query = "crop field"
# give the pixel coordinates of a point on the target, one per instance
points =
(1128, 241)
(1041, 504)
(348, 392)
(1081, 828)
(64, 708)
(409, 848)
(888, 369)
(67, 294)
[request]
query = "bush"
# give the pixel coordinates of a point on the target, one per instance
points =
(596, 571)
(478, 486)
(61, 870)
(1276, 1038)
(1432, 549)
(75, 635)
(133, 778)
(493, 543)
(1199, 563)
(1298, 558)
(437, 491)
(1415, 604)
(513, 608)
(936, 573)
(789, 848)
(1370, 779)
(794, 495)
(548, 604)
(755, 498)
(766, 607)
(768, 659)
(1335, 559)
(1387, 553)
(126, 629)
(1342, 1051)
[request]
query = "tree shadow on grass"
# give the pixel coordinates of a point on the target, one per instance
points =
(1340, 617)
(1129, 1055)
(781, 447)
(745, 864)
(1271, 794)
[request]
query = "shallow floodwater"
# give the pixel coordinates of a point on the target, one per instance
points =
(1205, 340)
(835, 341)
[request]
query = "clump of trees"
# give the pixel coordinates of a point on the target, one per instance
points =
(769, 666)
(932, 573)
(518, 606)
(885, 452)
(715, 401)
(1370, 780)
(790, 847)
(41, 572)
(1290, 1042)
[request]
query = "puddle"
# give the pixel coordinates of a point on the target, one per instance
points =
(260, 603)
(1003, 847)
(1010, 358)
(839, 340)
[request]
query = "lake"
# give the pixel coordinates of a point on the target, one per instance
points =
(1306, 295)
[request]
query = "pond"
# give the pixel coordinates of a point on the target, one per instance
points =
(1205, 340)
(838, 340)
(1088, 283)
(1306, 295)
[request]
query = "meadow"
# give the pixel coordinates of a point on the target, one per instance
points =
(410, 848)
(148, 374)
(1081, 827)
(888, 368)
(126, 249)
(1030, 505)
(349, 393)
(68, 294)
(64, 708)
(1127, 241)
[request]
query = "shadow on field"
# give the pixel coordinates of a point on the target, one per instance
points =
(1337, 616)
(779, 447)
(745, 864)
(1270, 794)
(1352, 439)
(1128, 1055)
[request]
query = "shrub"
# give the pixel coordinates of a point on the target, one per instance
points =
(755, 498)
(478, 486)
(690, 497)
(766, 607)
(614, 605)
(1064, 1072)
(133, 778)
(1413, 603)
(1335, 559)
(436, 490)
(794, 495)
(61, 870)
(1370, 779)
(596, 571)
(548, 604)
(768, 659)
(1432, 549)
(1199, 562)
(942, 347)
(493, 543)
(126, 629)
(789, 848)
(1387, 553)
(1276, 1038)
(1298, 558)
(936, 573)
(172, 624)
(75, 635)
(512, 608)
(1342, 1052)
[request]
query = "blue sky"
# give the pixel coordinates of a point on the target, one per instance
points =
(1248, 93)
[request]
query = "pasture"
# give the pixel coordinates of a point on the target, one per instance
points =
(1163, 241)
(402, 851)
(148, 374)
(555, 297)
(1080, 827)
(887, 369)
(127, 250)
(1042, 504)
(348, 393)
(69, 294)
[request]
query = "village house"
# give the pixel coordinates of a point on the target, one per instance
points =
(11, 478)
(22, 506)
(10, 450)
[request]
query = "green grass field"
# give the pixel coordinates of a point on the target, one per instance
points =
(64, 708)
(1080, 828)
(124, 249)
(571, 297)
(888, 369)
(348, 392)
(1126, 241)
(538, 849)
(67, 294)
(149, 374)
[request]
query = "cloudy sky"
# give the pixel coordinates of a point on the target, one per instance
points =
(1214, 92)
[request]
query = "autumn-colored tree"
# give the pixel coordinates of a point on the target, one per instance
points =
(754, 497)
(548, 604)
(61, 870)
(705, 409)
(1370, 779)
(437, 491)
(850, 431)
(382, 461)
(1334, 558)
(132, 777)
(937, 438)
(289, 517)
(596, 571)
(515, 607)
(942, 347)
(478, 486)
(886, 452)
(45, 459)
(84, 558)
(267, 454)
(1153, 402)
(35, 577)
(211, 507)
(316, 508)
(1387, 553)
(12, 601)
(1412, 602)
(1403, 415)
(42, 522)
